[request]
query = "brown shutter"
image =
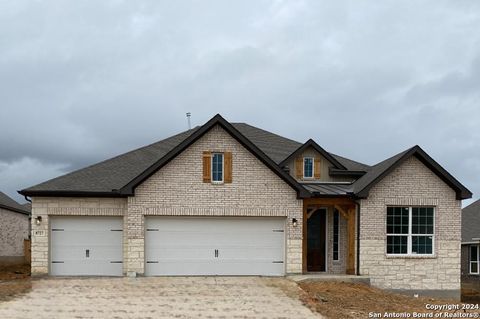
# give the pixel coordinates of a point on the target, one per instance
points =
(207, 167)
(299, 167)
(317, 173)
(227, 157)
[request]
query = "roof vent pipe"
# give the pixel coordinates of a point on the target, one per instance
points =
(188, 119)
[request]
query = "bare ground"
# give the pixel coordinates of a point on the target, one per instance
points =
(354, 300)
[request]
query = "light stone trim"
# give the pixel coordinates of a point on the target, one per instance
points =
(411, 201)
(83, 211)
(222, 211)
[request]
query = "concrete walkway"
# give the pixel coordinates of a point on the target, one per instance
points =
(158, 297)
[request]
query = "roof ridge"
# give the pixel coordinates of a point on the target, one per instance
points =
(260, 129)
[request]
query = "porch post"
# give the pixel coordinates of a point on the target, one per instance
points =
(351, 241)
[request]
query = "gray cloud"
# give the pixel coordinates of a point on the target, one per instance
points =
(83, 81)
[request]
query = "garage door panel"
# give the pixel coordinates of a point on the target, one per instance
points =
(214, 246)
(79, 268)
(83, 245)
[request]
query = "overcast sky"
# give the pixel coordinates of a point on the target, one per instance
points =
(82, 81)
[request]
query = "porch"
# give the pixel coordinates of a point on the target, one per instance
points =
(329, 233)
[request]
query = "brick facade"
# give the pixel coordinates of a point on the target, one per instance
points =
(178, 189)
(412, 184)
(13, 230)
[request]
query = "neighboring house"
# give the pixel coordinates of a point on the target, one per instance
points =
(14, 228)
(471, 243)
(232, 199)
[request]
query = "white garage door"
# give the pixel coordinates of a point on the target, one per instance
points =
(86, 246)
(214, 246)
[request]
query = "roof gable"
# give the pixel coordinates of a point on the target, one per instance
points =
(129, 188)
(377, 172)
(312, 144)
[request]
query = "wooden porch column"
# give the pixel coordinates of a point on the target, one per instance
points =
(351, 241)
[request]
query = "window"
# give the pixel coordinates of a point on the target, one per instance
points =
(217, 167)
(410, 230)
(474, 259)
(308, 167)
(336, 233)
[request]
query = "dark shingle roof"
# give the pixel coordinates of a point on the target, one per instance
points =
(471, 222)
(10, 204)
(113, 173)
(375, 171)
(274, 146)
(118, 176)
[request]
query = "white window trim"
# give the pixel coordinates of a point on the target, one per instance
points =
(313, 167)
(223, 167)
(470, 260)
(410, 235)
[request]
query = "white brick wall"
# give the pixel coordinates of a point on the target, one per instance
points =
(411, 184)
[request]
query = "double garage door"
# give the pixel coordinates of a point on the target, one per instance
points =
(173, 246)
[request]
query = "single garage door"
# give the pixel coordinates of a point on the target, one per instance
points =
(86, 246)
(214, 246)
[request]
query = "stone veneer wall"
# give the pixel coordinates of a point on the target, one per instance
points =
(412, 184)
(178, 189)
(66, 206)
(13, 230)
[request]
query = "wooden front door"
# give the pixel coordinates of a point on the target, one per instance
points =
(316, 240)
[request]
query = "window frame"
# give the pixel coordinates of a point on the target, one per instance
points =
(313, 167)
(410, 235)
(223, 168)
(476, 261)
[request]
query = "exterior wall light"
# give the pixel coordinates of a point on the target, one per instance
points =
(38, 220)
(294, 222)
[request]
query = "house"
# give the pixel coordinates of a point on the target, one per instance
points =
(14, 228)
(232, 199)
(471, 243)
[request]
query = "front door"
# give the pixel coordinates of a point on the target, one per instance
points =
(316, 240)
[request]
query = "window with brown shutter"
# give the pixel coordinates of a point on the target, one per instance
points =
(228, 167)
(317, 170)
(299, 167)
(207, 167)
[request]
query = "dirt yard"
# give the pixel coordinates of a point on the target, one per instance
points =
(349, 300)
(11, 272)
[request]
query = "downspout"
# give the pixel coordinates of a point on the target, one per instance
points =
(358, 239)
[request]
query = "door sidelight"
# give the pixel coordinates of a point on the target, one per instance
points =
(87, 253)
(216, 253)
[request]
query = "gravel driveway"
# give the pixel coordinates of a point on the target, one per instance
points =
(157, 297)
